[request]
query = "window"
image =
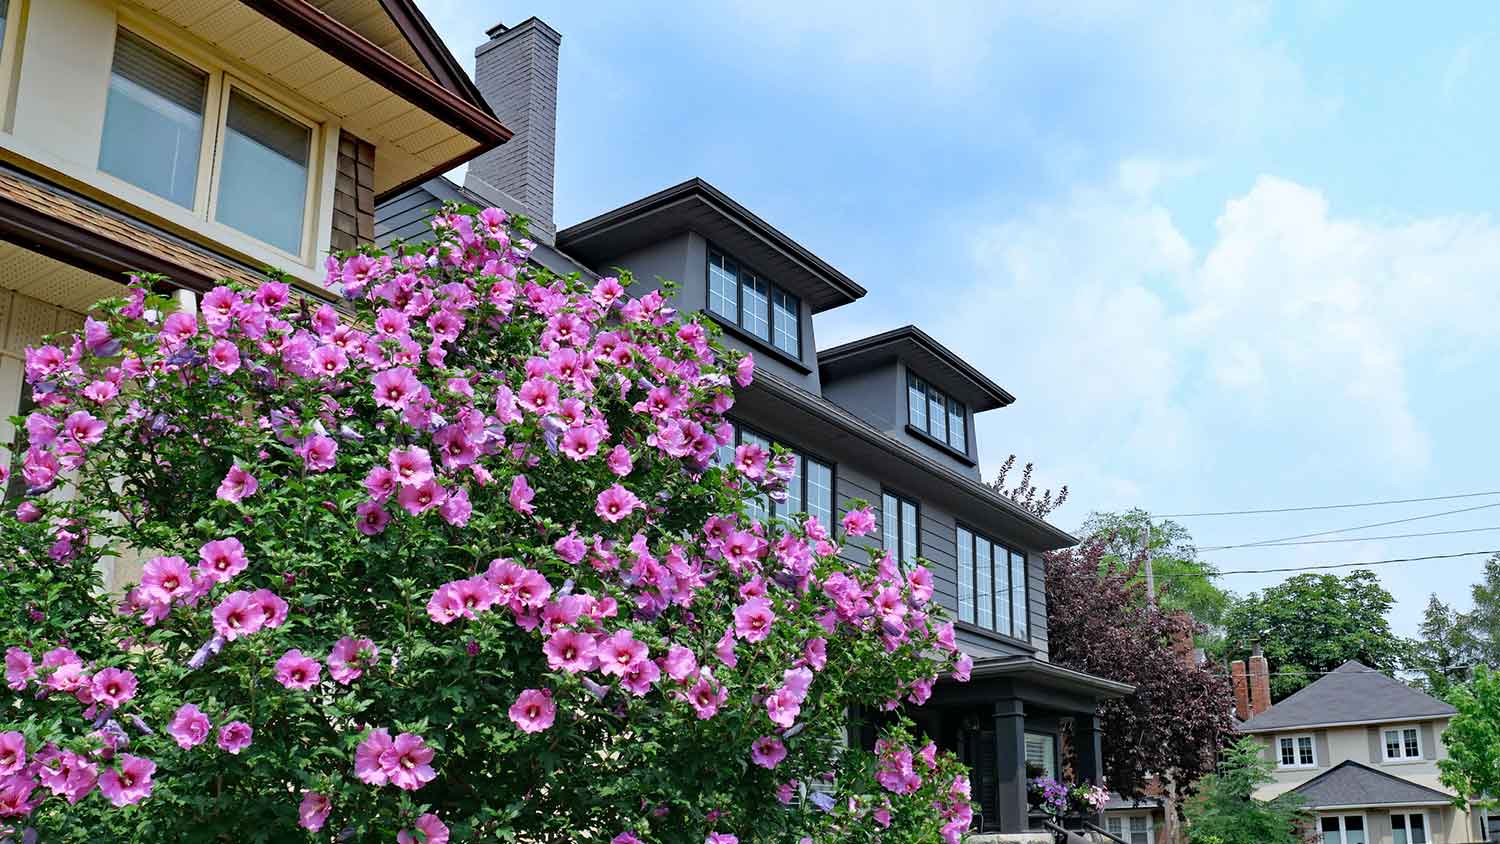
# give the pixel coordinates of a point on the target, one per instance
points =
(935, 414)
(991, 584)
(1402, 743)
(203, 141)
(1342, 829)
(1296, 752)
(1409, 828)
(809, 491)
(4, 18)
(752, 303)
(1041, 752)
(1133, 828)
(153, 120)
(263, 173)
(898, 526)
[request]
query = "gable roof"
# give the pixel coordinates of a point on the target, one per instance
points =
(932, 361)
(696, 205)
(1351, 694)
(1351, 784)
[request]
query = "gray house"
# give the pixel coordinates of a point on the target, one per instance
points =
(888, 419)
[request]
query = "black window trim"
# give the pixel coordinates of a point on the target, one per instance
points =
(974, 534)
(833, 468)
(916, 504)
(736, 327)
(925, 434)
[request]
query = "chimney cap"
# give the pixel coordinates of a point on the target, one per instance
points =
(1255, 650)
(497, 30)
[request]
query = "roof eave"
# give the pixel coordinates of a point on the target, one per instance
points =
(575, 237)
(999, 396)
(473, 119)
(435, 55)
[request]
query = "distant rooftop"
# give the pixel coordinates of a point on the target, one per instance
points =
(1351, 694)
(1350, 784)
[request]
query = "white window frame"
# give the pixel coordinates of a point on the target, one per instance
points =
(1125, 832)
(1343, 832)
(1426, 825)
(10, 55)
(1400, 730)
(223, 78)
(1297, 752)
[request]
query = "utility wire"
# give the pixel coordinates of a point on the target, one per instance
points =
(1327, 506)
(1350, 539)
(1324, 566)
(1365, 527)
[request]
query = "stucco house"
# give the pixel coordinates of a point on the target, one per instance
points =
(1361, 749)
(206, 140)
(887, 419)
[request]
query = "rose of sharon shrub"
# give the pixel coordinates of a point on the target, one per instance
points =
(456, 564)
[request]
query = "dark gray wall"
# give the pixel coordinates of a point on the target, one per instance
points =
(937, 526)
(405, 216)
(878, 396)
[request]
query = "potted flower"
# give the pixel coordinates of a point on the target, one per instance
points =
(1087, 800)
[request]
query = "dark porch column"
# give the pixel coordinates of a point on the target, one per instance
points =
(1010, 764)
(1088, 734)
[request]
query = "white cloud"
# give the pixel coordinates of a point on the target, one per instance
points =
(1146, 359)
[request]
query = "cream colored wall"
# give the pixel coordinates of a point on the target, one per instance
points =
(1353, 743)
(60, 82)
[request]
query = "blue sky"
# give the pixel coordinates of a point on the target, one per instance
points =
(1226, 258)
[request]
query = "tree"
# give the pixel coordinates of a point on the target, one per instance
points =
(1483, 622)
(456, 562)
(1183, 582)
(1472, 768)
(1446, 652)
(1311, 624)
(1025, 492)
(1225, 810)
(1179, 717)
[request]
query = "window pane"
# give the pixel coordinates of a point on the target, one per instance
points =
(1413, 748)
(1138, 830)
(956, 426)
(723, 287)
(793, 490)
(1354, 830)
(724, 454)
(1115, 825)
(1393, 744)
(1288, 753)
(984, 584)
(1018, 593)
(819, 491)
(756, 301)
(965, 576)
(1002, 589)
(784, 308)
(890, 525)
(1418, 829)
(153, 120)
(1041, 752)
(1305, 750)
(263, 177)
(916, 402)
(937, 415)
(908, 532)
(759, 507)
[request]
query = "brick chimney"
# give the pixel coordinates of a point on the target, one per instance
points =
(516, 70)
(1182, 638)
(1260, 682)
(1241, 690)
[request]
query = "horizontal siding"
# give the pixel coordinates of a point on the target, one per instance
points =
(1036, 574)
(851, 484)
(405, 216)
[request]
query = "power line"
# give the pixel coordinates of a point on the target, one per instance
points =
(1324, 566)
(1328, 506)
(1371, 525)
(1350, 539)
(1355, 671)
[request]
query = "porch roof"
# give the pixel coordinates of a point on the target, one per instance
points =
(1054, 676)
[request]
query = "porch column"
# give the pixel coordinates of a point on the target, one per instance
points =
(1010, 764)
(1088, 734)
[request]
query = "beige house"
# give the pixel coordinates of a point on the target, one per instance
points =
(1362, 749)
(206, 139)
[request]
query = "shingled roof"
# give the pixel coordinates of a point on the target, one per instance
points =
(1351, 784)
(1351, 694)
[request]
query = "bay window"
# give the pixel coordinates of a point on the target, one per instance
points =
(991, 584)
(745, 299)
(204, 141)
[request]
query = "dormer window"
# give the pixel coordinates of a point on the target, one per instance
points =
(752, 304)
(935, 414)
